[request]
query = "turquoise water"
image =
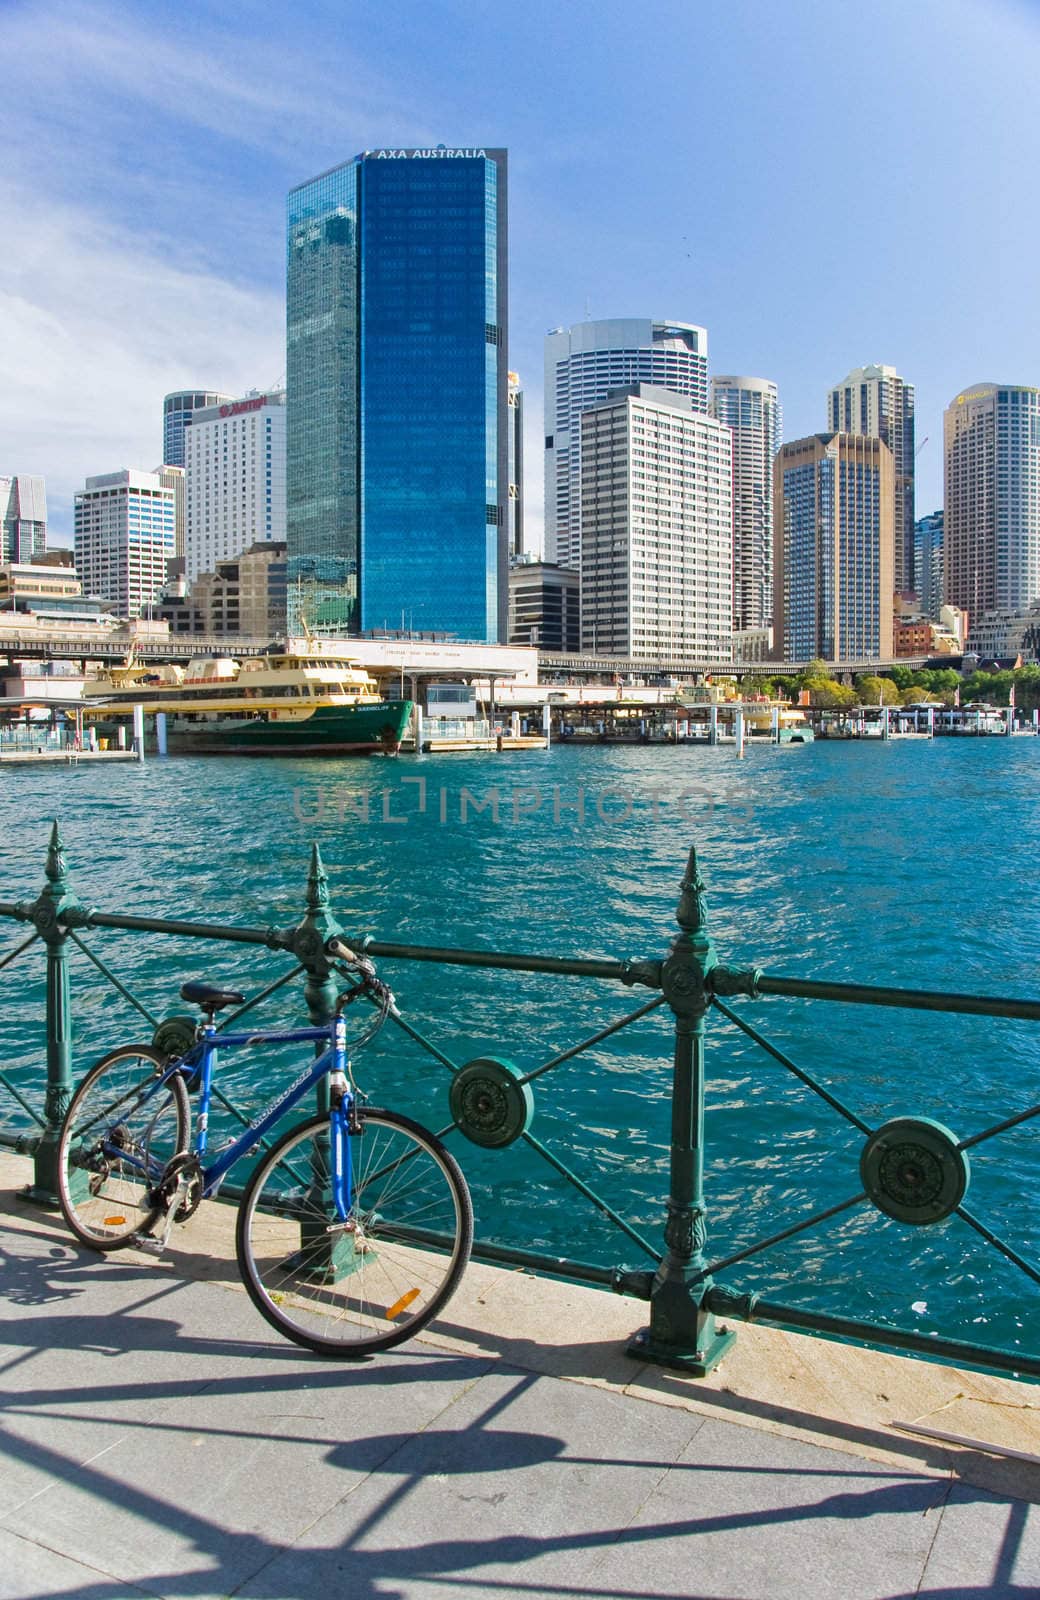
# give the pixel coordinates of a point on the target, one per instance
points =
(908, 864)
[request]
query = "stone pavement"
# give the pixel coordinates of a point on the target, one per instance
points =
(158, 1440)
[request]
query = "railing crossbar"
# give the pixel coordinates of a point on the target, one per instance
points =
(620, 971)
(279, 983)
(12, 1090)
(785, 1061)
(590, 1194)
(16, 952)
(999, 1127)
(596, 1038)
(864, 994)
(998, 1243)
(778, 1238)
(413, 1033)
(113, 980)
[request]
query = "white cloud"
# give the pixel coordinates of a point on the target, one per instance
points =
(97, 328)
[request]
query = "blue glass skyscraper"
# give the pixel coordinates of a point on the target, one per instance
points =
(397, 394)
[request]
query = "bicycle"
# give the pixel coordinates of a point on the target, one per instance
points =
(355, 1226)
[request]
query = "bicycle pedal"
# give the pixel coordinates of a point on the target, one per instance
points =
(145, 1242)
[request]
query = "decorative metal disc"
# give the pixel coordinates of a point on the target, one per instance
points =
(490, 1105)
(912, 1170)
(174, 1036)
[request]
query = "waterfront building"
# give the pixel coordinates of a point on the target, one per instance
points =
(991, 526)
(753, 644)
(833, 549)
(235, 479)
(124, 535)
(1006, 635)
(928, 563)
(23, 517)
(877, 402)
(244, 595)
(583, 364)
(45, 589)
(397, 385)
(516, 468)
(750, 407)
(657, 528)
(544, 606)
(178, 411)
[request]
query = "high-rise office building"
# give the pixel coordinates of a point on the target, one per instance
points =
(833, 556)
(124, 537)
(178, 411)
(877, 402)
(657, 528)
(928, 563)
(397, 394)
(235, 479)
(582, 365)
(991, 526)
(23, 517)
(750, 407)
(516, 466)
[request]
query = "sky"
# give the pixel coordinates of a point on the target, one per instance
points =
(821, 184)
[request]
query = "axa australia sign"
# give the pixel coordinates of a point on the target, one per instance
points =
(441, 153)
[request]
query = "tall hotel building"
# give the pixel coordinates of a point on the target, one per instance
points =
(178, 412)
(991, 528)
(582, 365)
(878, 403)
(833, 556)
(397, 463)
(124, 537)
(750, 408)
(657, 528)
(235, 480)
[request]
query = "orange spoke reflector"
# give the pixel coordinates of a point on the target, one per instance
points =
(114, 1222)
(402, 1304)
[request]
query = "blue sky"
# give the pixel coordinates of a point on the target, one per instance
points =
(819, 183)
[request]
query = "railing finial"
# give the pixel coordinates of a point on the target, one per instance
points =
(55, 868)
(690, 912)
(317, 883)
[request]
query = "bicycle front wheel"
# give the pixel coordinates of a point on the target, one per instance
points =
(122, 1127)
(349, 1287)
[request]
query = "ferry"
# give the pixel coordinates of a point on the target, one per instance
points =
(303, 698)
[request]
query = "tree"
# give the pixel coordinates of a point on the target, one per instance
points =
(873, 690)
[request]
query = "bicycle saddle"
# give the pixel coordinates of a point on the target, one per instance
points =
(209, 997)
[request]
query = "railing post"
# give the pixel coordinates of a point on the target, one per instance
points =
(326, 1257)
(682, 1333)
(54, 899)
(308, 940)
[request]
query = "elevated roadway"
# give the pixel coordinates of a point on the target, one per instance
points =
(420, 657)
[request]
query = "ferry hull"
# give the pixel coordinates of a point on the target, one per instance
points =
(329, 731)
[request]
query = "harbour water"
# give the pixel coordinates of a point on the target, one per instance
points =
(903, 864)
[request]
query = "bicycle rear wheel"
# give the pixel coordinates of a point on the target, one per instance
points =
(349, 1288)
(121, 1129)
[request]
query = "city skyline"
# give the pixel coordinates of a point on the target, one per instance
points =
(131, 276)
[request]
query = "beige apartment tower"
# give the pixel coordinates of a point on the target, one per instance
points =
(877, 402)
(833, 549)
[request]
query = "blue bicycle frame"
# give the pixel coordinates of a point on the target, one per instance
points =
(201, 1059)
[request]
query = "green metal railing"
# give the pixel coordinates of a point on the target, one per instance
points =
(912, 1169)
